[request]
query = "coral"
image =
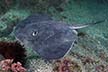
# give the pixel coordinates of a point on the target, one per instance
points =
(17, 67)
(13, 50)
(7, 65)
(102, 55)
(102, 68)
(67, 65)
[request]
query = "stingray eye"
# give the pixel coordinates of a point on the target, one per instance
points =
(35, 33)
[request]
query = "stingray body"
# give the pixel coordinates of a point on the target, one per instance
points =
(50, 39)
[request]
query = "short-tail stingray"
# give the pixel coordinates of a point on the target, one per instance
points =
(49, 38)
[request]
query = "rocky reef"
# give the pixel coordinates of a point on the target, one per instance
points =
(89, 54)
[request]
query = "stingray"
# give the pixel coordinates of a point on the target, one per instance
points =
(49, 38)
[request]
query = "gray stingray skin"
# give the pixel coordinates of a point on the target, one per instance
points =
(50, 39)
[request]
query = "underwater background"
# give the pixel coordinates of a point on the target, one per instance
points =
(89, 54)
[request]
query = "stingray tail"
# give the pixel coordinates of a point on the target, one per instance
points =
(85, 25)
